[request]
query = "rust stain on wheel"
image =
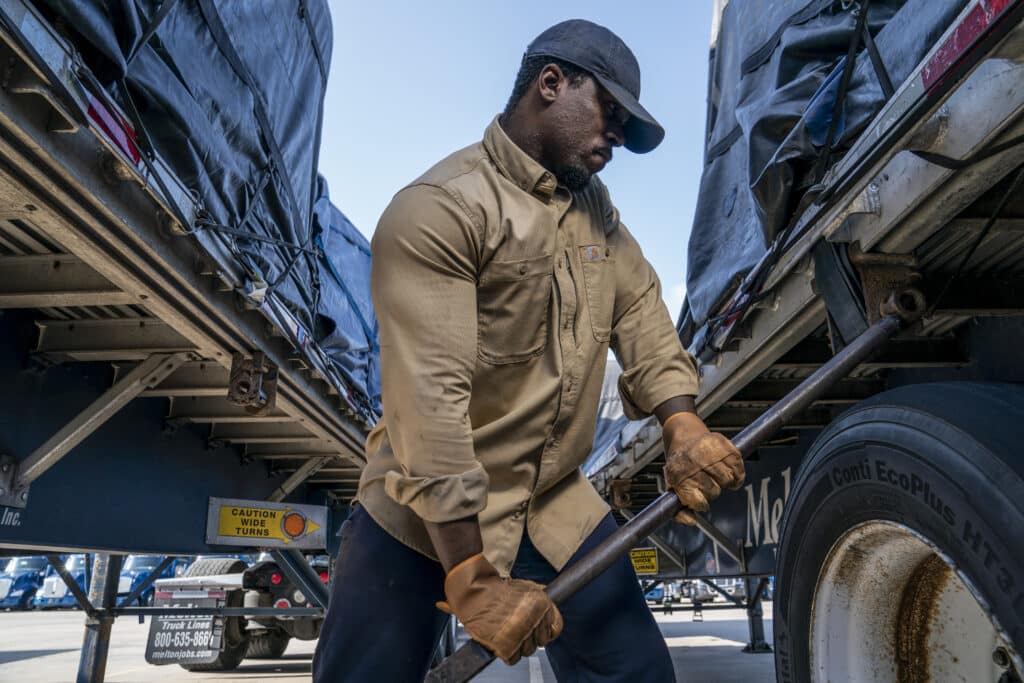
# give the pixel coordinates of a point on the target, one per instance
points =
(917, 613)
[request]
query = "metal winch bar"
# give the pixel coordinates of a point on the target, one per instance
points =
(472, 657)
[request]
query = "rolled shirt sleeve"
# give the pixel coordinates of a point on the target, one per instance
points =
(655, 366)
(423, 281)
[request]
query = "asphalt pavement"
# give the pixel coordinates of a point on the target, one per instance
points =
(43, 647)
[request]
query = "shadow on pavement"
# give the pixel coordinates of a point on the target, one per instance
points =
(18, 655)
(299, 663)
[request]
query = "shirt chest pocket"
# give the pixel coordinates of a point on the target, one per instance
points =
(599, 283)
(513, 305)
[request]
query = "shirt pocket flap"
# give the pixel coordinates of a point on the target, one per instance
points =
(519, 269)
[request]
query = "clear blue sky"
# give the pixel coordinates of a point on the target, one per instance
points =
(413, 81)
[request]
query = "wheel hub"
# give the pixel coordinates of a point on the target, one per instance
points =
(888, 606)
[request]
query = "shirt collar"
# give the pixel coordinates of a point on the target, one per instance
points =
(517, 165)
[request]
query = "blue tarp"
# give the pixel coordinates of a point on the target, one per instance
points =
(346, 324)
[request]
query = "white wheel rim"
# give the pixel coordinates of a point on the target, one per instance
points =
(888, 606)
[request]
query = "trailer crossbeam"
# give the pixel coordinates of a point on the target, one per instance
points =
(147, 374)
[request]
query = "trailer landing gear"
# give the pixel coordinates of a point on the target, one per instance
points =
(755, 618)
(103, 591)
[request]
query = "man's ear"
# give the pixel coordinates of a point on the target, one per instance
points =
(550, 83)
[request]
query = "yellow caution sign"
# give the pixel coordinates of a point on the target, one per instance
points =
(264, 524)
(645, 560)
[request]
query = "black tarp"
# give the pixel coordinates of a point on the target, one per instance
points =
(231, 97)
(773, 79)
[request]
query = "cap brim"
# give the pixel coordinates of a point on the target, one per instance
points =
(643, 132)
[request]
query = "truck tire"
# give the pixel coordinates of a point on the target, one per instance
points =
(900, 557)
(27, 601)
(267, 644)
(212, 566)
(236, 639)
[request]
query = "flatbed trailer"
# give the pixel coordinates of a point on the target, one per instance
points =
(128, 353)
(121, 328)
(888, 509)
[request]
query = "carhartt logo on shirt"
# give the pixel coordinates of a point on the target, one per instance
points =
(592, 253)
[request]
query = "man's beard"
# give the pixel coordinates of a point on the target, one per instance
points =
(575, 178)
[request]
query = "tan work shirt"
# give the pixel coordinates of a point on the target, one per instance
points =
(498, 293)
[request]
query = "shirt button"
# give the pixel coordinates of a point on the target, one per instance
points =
(522, 269)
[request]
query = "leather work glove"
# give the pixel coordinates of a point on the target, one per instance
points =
(698, 463)
(510, 617)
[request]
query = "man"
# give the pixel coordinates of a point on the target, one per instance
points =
(500, 278)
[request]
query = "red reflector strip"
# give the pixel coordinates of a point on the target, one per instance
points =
(977, 21)
(216, 594)
(116, 128)
(163, 595)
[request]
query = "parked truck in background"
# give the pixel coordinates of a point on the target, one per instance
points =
(54, 593)
(261, 584)
(20, 580)
(138, 569)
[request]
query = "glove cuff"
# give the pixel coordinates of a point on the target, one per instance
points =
(465, 578)
(686, 422)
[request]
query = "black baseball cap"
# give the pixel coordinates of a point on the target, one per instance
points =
(612, 64)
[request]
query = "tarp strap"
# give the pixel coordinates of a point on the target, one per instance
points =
(844, 84)
(245, 234)
(304, 14)
(145, 143)
(154, 24)
(223, 40)
(265, 177)
(371, 337)
(878, 63)
(960, 164)
(723, 145)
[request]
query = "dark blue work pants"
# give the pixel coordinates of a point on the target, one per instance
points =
(382, 624)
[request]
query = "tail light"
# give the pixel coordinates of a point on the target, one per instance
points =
(323, 576)
(276, 578)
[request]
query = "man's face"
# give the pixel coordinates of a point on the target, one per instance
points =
(585, 123)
